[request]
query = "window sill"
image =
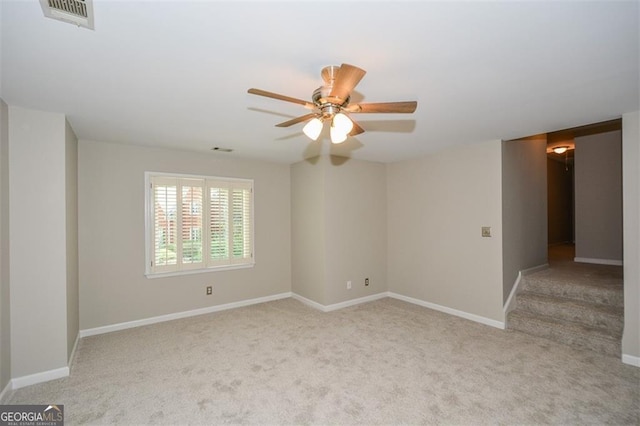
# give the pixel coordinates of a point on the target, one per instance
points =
(150, 275)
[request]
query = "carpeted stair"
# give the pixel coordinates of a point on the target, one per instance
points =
(580, 307)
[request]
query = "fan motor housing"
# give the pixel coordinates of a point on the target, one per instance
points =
(322, 99)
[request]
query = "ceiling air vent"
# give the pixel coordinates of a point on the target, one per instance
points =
(77, 12)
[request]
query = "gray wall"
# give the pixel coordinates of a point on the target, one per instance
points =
(339, 222)
(524, 208)
(113, 287)
(5, 317)
(437, 206)
(5, 306)
(71, 193)
(37, 238)
(356, 228)
(598, 196)
(631, 185)
(308, 230)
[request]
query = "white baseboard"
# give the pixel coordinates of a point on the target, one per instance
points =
(450, 311)
(598, 261)
(535, 269)
(631, 360)
(510, 303)
(341, 305)
(178, 315)
(5, 391)
(45, 376)
(73, 349)
(446, 310)
(357, 301)
(308, 302)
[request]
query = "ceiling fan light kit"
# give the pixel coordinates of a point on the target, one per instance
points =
(342, 123)
(336, 135)
(313, 128)
(330, 102)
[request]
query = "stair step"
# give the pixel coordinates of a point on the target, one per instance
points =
(569, 333)
(605, 292)
(605, 317)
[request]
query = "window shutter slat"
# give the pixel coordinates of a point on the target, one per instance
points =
(241, 224)
(165, 224)
(191, 222)
(219, 219)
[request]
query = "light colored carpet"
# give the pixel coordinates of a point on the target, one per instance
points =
(573, 303)
(385, 362)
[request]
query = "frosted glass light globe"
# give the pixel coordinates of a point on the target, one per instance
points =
(343, 123)
(337, 136)
(313, 128)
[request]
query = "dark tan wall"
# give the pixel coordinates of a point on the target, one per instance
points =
(559, 202)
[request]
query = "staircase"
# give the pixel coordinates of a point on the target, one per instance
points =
(576, 304)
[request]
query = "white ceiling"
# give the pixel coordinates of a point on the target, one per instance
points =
(176, 73)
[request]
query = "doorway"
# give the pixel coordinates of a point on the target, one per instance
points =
(584, 209)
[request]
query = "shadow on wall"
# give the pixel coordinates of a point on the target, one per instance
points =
(338, 154)
(336, 160)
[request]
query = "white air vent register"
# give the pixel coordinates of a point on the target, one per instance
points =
(77, 12)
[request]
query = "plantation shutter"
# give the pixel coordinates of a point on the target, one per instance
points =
(191, 191)
(197, 223)
(242, 244)
(219, 222)
(165, 223)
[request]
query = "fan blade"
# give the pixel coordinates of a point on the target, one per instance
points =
(347, 78)
(356, 128)
(281, 97)
(387, 107)
(297, 120)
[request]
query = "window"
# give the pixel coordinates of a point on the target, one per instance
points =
(197, 223)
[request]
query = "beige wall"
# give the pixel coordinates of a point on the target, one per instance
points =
(5, 306)
(113, 287)
(339, 222)
(524, 208)
(5, 317)
(436, 208)
(71, 193)
(598, 196)
(355, 228)
(38, 277)
(631, 187)
(408, 226)
(308, 230)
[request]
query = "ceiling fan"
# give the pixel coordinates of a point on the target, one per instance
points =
(330, 103)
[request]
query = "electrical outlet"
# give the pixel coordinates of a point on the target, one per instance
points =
(209, 290)
(486, 231)
(366, 281)
(348, 285)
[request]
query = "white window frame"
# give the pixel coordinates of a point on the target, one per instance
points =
(152, 271)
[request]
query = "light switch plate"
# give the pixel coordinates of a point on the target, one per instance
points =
(486, 231)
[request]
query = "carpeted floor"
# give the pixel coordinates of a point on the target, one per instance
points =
(580, 304)
(385, 362)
